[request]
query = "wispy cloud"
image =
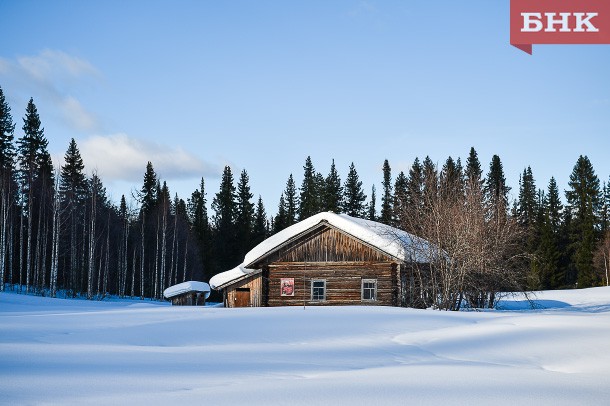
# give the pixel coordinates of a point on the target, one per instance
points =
(53, 76)
(51, 64)
(120, 157)
(362, 8)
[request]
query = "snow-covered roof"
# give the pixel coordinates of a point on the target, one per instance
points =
(188, 286)
(394, 242)
(234, 274)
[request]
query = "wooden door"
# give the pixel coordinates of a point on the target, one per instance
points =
(242, 297)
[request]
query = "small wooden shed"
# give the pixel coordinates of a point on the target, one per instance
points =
(327, 259)
(190, 293)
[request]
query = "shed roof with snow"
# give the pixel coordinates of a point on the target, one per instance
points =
(186, 287)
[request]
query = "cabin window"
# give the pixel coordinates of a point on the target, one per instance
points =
(318, 290)
(369, 289)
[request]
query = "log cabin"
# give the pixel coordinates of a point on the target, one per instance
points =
(189, 293)
(327, 259)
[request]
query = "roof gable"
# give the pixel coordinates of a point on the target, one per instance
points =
(389, 240)
(322, 243)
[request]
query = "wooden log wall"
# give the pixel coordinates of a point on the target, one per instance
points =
(343, 282)
(254, 283)
(188, 299)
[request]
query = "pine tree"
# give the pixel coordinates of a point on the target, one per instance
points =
(310, 191)
(353, 196)
(386, 200)
(372, 210)
(225, 210)
(584, 199)
(244, 220)
(333, 192)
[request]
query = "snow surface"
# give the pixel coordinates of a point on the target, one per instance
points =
(393, 241)
(188, 286)
(63, 352)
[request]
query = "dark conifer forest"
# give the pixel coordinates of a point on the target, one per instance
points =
(61, 234)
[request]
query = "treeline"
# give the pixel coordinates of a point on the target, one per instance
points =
(60, 232)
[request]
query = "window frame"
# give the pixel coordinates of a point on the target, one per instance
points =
(313, 281)
(374, 288)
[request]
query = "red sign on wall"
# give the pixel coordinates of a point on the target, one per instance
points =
(559, 22)
(287, 286)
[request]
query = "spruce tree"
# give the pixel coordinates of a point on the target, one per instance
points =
(400, 202)
(372, 210)
(7, 128)
(415, 185)
(8, 187)
(584, 200)
(259, 233)
(451, 179)
(353, 196)
(605, 209)
(526, 203)
(35, 176)
(496, 190)
(310, 191)
(225, 210)
(473, 170)
(73, 182)
(281, 219)
(244, 220)
(430, 183)
(549, 248)
(386, 215)
(73, 191)
(30, 148)
(149, 191)
(291, 204)
(332, 192)
(529, 212)
(198, 214)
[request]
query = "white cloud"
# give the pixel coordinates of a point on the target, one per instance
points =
(4, 66)
(54, 76)
(362, 8)
(119, 157)
(50, 64)
(75, 114)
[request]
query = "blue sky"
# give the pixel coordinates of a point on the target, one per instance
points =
(196, 85)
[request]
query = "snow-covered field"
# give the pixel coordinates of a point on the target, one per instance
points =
(55, 351)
